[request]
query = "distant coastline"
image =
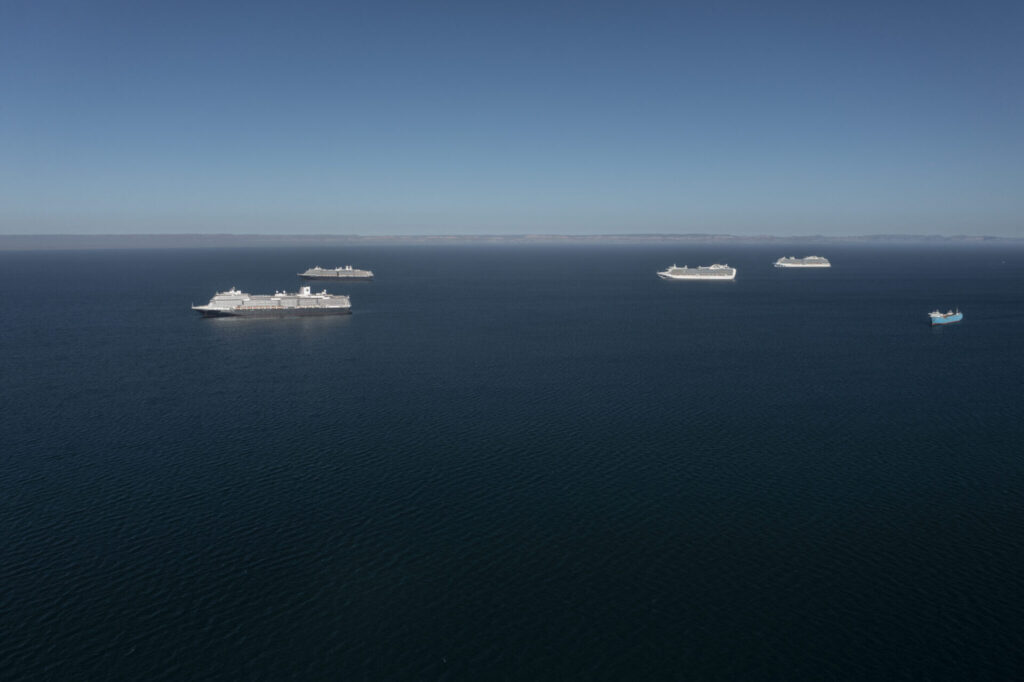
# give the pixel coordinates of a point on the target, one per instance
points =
(181, 241)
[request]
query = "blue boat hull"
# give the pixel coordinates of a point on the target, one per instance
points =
(947, 320)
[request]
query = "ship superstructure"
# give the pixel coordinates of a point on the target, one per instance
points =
(808, 262)
(235, 303)
(347, 273)
(717, 271)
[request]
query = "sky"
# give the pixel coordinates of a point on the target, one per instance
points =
(831, 118)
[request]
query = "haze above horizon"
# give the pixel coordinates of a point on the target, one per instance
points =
(562, 118)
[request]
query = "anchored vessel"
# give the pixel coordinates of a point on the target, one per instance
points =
(948, 317)
(347, 273)
(808, 262)
(235, 303)
(716, 271)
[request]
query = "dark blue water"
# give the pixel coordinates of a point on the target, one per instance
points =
(514, 463)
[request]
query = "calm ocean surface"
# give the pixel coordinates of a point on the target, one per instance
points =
(514, 462)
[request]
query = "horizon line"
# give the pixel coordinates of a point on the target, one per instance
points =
(170, 240)
(504, 235)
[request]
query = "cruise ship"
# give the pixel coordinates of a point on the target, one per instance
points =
(235, 303)
(710, 272)
(808, 262)
(347, 273)
(948, 317)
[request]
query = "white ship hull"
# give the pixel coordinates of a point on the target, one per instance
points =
(709, 272)
(346, 273)
(274, 312)
(709, 278)
(808, 262)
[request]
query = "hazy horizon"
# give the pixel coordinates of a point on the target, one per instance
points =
(74, 228)
(222, 240)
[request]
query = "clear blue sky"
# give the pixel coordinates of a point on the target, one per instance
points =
(478, 117)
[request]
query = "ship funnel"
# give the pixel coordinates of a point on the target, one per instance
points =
(304, 291)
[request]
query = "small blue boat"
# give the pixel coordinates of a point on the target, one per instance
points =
(948, 317)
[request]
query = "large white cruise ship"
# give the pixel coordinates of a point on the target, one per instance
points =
(710, 272)
(347, 273)
(808, 262)
(235, 303)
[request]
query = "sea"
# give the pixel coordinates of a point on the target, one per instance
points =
(514, 462)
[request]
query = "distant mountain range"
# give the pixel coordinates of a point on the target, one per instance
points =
(167, 241)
